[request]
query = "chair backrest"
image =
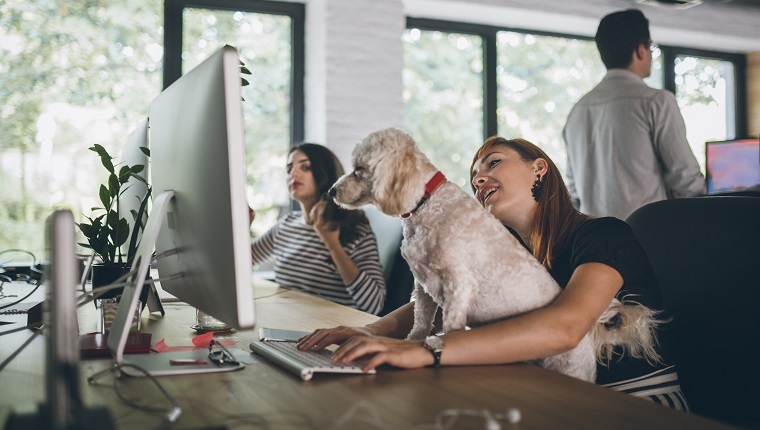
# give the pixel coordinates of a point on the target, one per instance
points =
(706, 254)
(398, 278)
(388, 234)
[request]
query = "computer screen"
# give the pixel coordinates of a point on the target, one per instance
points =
(199, 219)
(732, 165)
(135, 190)
(198, 153)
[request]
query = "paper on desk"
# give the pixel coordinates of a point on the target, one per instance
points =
(201, 341)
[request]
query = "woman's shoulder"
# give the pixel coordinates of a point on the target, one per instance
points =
(599, 235)
(604, 226)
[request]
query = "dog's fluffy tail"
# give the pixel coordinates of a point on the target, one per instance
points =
(630, 325)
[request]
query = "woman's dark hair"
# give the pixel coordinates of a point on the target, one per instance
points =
(619, 34)
(555, 218)
(326, 169)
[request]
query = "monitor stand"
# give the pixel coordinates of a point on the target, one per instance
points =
(157, 364)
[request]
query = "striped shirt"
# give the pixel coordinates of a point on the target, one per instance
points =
(302, 262)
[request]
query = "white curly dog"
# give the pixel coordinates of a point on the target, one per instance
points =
(463, 259)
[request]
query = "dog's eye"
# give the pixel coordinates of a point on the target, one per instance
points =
(359, 171)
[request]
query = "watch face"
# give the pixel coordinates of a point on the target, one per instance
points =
(434, 342)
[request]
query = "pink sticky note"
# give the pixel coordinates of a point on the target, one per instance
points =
(203, 340)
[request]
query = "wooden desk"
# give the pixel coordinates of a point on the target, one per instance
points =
(394, 399)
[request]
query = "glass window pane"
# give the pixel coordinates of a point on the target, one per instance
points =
(264, 45)
(704, 90)
(74, 74)
(443, 96)
(657, 78)
(539, 79)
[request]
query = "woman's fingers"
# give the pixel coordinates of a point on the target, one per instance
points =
(381, 350)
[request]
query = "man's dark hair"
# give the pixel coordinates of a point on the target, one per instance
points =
(618, 36)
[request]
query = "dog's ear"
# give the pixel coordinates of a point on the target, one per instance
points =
(398, 185)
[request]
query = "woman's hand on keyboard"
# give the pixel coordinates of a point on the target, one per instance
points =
(324, 337)
(383, 350)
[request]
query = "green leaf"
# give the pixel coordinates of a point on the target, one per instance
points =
(113, 220)
(105, 196)
(105, 157)
(124, 174)
(145, 150)
(137, 168)
(100, 150)
(113, 184)
(122, 233)
(245, 70)
(87, 230)
(244, 82)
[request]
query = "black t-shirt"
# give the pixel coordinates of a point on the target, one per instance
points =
(611, 241)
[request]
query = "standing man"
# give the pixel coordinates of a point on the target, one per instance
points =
(626, 142)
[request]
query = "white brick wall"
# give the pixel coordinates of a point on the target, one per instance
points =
(354, 60)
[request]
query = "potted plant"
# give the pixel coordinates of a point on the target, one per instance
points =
(107, 232)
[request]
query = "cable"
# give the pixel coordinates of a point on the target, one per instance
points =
(5, 251)
(89, 297)
(21, 299)
(172, 415)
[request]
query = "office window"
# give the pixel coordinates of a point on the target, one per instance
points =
(539, 79)
(531, 81)
(443, 95)
(72, 74)
(265, 44)
(704, 90)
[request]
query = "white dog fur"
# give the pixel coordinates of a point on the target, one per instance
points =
(462, 258)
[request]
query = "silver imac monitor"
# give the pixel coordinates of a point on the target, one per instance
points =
(63, 407)
(199, 219)
(135, 191)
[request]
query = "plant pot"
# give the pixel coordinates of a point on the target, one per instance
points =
(105, 274)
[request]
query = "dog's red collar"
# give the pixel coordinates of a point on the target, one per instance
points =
(436, 181)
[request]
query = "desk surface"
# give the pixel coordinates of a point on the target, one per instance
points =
(263, 394)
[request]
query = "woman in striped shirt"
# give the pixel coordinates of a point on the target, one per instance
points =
(323, 249)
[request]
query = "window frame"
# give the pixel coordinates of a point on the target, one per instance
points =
(669, 52)
(296, 11)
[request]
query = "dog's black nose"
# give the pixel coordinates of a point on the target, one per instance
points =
(332, 191)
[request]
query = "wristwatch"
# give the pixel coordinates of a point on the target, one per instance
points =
(434, 344)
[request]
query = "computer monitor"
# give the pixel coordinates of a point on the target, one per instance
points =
(135, 190)
(63, 407)
(732, 166)
(199, 219)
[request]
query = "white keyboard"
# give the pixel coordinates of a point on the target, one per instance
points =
(303, 363)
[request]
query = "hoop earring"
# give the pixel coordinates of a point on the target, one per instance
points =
(536, 189)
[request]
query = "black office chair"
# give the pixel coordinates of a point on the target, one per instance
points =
(706, 254)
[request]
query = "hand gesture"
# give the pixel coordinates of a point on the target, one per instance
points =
(326, 231)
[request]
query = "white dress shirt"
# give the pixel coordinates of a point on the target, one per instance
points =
(627, 147)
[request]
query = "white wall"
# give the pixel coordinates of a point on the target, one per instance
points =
(354, 52)
(354, 60)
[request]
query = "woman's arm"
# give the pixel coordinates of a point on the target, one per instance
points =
(547, 331)
(360, 271)
(262, 247)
